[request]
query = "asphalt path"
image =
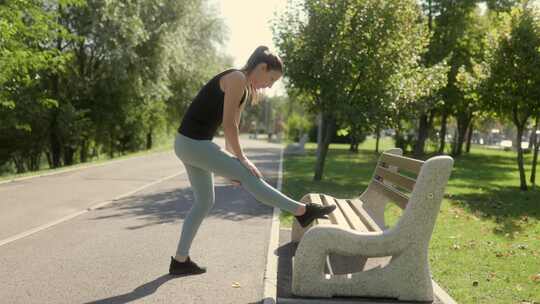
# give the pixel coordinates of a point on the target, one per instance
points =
(120, 252)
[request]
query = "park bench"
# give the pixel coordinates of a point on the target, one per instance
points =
(353, 252)
(297, 148)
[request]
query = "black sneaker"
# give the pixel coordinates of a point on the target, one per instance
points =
(314, 211)
(185, 268)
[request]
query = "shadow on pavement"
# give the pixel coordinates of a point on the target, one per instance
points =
(137, 293)
(170, 206)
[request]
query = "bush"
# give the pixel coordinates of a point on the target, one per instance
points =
(296, 125)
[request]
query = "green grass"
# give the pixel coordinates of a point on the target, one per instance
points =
(486, 244)
(164, 144)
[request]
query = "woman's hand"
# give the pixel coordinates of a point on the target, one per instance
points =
(246, 162)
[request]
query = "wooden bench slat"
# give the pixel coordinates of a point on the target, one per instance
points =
(316, 198)
(336, 217)
(395, 178)
(396, 196)
(364, 216)
(408, 164)
(351, 216)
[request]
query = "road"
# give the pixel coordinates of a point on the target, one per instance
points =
(55, 249)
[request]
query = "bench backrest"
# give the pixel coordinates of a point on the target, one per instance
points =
(414, 185)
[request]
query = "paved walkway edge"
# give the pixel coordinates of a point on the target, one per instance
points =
(442, 295)
(270, 272)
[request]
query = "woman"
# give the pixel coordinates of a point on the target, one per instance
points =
(220, 101)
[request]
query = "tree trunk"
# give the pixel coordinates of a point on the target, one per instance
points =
(469, 137)
(329, 126)
(111, 145)
(34, 160)
(149, 141)
(378, 134)
(442, 134)
(463, 121)
(68, 155)
(56, 147)
(399, 137)
(355, 136)
(55, 140)
(19, 164)
(522, 179)
(422, 136)
(535, 155)
(49, 159)
(84, 151)
(320, 131)
(353, 148)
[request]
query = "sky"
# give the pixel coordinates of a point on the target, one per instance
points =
(249, 26)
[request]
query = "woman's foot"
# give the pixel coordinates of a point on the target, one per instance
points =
(314, 211)
(184, 268)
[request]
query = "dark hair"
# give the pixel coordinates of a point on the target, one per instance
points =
(260, 55)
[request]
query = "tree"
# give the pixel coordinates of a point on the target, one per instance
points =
(513, 87)
(448, 22)
(351, 59)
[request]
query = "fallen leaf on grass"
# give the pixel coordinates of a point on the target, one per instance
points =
(471, 244)
(491, 275)
(535, 277)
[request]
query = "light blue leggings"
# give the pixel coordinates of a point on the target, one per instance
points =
(202, 158)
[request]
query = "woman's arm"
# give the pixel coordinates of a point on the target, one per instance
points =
(237, 118)
(233, 85)
(234, 88)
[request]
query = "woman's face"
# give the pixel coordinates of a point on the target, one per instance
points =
(264, 78)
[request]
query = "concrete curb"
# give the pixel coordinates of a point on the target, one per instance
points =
(443, 296)
(270, 271)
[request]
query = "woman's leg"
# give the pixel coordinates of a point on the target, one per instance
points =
(208, 156)
(202, 185)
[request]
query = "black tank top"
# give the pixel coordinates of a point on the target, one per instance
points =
(205, 113)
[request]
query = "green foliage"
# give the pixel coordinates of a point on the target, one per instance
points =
(513, 86)
(110, 75)
(296, 125)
